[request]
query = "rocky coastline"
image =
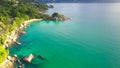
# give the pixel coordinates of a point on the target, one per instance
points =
(11, 39)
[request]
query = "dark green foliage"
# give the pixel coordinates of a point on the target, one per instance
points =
(11, 9)
(3, 54)
(57, 16)
(16, 11)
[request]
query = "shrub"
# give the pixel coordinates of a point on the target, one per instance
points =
(3, 54)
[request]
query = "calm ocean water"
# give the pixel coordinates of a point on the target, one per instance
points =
(90, 40)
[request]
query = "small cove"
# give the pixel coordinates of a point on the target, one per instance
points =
(90, 40)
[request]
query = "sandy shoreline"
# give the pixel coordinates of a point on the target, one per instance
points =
(12, 38)
(31, 20)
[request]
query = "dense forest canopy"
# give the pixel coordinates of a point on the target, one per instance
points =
(23, 9)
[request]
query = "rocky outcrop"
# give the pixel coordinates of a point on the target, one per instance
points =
(12, 38)
(57, 16)
(29, 58)
(9, 62)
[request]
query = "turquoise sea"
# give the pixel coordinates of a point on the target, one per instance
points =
(90, 40)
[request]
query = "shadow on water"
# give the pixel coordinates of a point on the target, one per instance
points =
(52, 21)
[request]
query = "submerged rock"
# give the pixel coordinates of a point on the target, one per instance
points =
(19, 62)
(41, 57)
(21, 66)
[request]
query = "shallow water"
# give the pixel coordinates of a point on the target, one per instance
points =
(90, 40)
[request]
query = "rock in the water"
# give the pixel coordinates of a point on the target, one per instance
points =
(29, 58)
(18, 43)
(19, 62)
(15, 55)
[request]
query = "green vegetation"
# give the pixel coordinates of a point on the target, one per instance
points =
(13, 13)
(3, 54)
(57, 16)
